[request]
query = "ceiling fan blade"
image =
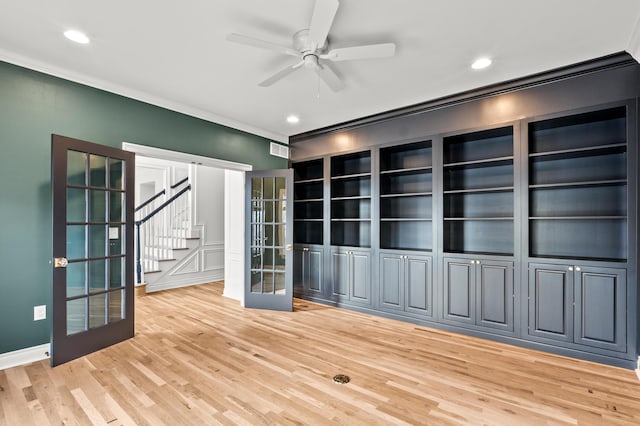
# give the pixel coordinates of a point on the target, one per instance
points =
(329, 77)
(280, 74)
(371, 51)
(323, 13)
(256, 42)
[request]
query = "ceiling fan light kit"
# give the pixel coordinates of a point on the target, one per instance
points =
(312, 48)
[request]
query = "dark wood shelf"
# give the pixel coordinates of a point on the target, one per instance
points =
(478, 190)
(477, 218)
(578, 184)
(352, 176)
(407, 194)
(487, 162)
(407, 170)
(308, 220)
(613, 148)
(338, 219)
(297, 182)
(577, 217)
(355, 197)
(405, 219)
(309, 200)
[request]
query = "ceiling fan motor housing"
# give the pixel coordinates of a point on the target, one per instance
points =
(305, 46)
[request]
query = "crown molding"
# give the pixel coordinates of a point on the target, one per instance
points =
(138, 95)
(633, 47)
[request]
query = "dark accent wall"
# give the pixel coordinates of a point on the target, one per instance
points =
(32, 107)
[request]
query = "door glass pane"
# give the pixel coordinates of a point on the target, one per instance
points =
(76, 205)
(116, 236)
(279, 283)
(97, 240)
(256, 235)
(256, 188)
(279, 261)
(268, 188)
(115, 206)
(76, 168)
(76, 242)
(97, 171)
(97, 310)
(97, 275)
(268, 211)
(256, 258)
(268, 258)
(116, 273)
(279, 235)
(256, 212)
(281, 188)
(268, 282)
(268, 235)
(116, 173)
(256, 282)
(281, 212)
(98, 206)
(76, 279)
(116, 311)
(76, 316)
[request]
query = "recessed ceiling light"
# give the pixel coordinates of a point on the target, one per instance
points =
(481, 63)
(76, 36)
(293, 119)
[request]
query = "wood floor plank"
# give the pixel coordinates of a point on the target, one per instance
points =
(199, 359)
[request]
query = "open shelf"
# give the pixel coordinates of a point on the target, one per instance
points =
(406, 202)
(407, 157)
(588, 130)
(479, 236)
(351, 199)
(406, 234)
(578, 186)
(308, 195)
(410, 181)
(478, 184)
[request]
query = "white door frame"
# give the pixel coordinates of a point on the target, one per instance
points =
(233, 209)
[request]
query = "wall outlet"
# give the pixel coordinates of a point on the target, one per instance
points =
(39, 312)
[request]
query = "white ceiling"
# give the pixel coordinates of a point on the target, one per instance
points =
(174, 54)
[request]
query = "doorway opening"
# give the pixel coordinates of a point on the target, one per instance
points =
(212, 241)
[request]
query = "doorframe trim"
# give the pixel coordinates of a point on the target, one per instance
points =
(183, 157)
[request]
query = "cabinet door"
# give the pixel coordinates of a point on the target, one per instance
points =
(340, 274)
(299, 281)
(313, 271)
(459, 290)
(600, 307)
(360, 277)
(495, 294)
(550, 301)
(391, 281)
(418, 284)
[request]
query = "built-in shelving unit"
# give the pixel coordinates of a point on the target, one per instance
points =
(406, 199)
(578, 186)
(478, 192)
(309, 199)
(351, 200)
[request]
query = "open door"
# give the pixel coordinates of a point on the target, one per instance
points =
(269, 234)
(92, 247)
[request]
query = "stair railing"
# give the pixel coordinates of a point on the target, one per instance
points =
(165, 226)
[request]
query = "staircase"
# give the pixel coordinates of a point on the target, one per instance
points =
(164, 233)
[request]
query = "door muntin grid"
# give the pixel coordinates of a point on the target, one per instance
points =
(268, 235)
(95, 241)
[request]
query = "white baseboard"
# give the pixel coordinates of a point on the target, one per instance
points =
(25, 356)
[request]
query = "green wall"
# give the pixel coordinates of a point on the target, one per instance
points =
(32, 107)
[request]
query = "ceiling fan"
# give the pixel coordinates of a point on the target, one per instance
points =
(311, 46)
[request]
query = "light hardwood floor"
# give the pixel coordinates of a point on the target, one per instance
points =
(198, 358)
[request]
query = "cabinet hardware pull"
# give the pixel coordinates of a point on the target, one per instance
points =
(571, 268)
(578, 268)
